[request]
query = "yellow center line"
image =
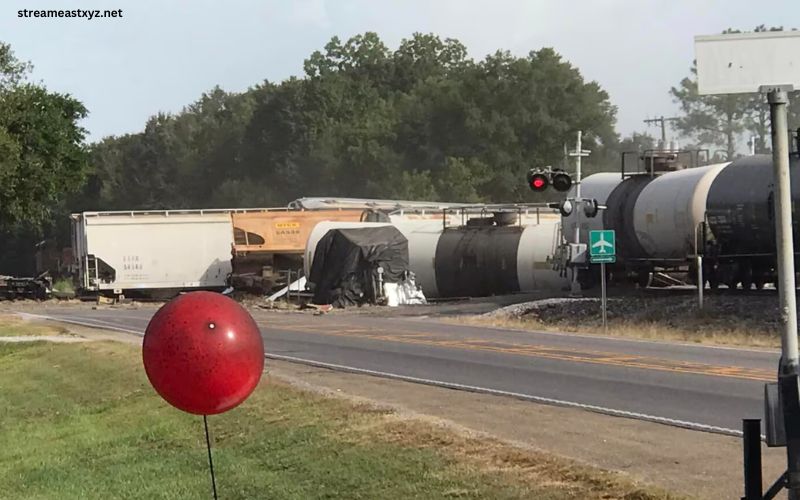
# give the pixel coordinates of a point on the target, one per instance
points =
(538, 351)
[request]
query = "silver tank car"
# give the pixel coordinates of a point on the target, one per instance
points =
(722, 211)
(668, 212)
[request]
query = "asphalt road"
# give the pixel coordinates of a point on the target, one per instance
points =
(692, 384)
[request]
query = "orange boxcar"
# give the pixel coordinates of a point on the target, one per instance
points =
(268, 243)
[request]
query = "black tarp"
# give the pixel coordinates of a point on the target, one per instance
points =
(344, 270)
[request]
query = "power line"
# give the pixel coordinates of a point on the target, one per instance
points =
(662, 122)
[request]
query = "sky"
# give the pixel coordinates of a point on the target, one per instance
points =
(162, 55)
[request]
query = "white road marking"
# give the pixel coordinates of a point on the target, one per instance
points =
(80, 321)
(92, 323)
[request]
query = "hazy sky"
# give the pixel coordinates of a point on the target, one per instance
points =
(160, 56)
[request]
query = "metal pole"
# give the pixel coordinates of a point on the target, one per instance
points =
(787, 379)
(288, 286)
(751, 443)
(603, 299)
(210, 461)
(700, 281)
(576, 287)
(783, 229)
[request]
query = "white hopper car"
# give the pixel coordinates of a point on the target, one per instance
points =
(118, 252)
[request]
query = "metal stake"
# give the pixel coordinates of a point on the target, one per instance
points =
(288, 286)
(210, 462)
(778, 99)
(700, 281)
(603, 294)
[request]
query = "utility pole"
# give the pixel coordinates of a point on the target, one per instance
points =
(578, 154)
(767, 63)
(662, 122)
(789, 369)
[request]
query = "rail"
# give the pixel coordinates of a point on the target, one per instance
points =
(200, 211)
(330, 202)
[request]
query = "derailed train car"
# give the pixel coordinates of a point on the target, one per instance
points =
(489, 254)
(266, 242)
(172, 250)
(123, 252)
(664, 219)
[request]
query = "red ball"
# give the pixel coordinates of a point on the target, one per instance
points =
(203, 353)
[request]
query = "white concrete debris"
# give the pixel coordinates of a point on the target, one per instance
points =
(405, 292)
(297, 286)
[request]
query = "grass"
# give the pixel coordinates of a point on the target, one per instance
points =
(14, 326)
(81, 421)
(650, 330)
(733, 321)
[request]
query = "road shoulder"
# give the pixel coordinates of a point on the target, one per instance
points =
(687, 462)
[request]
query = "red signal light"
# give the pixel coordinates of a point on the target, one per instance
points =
(539, 182)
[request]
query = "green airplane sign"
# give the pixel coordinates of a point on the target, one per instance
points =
(602, 247)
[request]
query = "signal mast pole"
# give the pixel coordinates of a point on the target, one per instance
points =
(578, 154)
(789, 366)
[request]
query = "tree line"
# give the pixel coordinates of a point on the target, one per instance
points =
(718, 121)
(424, 121)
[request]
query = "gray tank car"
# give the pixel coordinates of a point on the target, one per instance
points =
(723, 212)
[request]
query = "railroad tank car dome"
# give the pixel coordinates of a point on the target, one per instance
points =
(740, 206)
(669, 210)
(598, 186)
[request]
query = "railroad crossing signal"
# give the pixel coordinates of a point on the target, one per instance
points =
(539, 179)
(602, 247)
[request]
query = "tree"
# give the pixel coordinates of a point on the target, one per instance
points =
(719, 120)
(12, 70)
(710, 119)
(42, 155)
(423, 121)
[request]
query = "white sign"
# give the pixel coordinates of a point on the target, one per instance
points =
(740, 63)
